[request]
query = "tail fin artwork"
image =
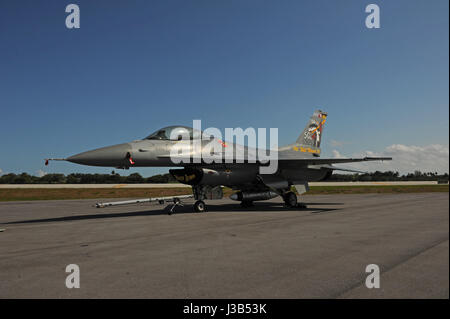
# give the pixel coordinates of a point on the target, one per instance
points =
(312, 134)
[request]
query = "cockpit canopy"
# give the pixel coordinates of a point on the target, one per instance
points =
(175, 133)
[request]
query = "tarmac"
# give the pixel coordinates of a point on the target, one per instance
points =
(179, 185)
(267, 251)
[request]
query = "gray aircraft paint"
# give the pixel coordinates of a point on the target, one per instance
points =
(298, 163)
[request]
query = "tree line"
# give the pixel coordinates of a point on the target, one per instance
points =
(79, 178)
(389, 176)
(136, 178)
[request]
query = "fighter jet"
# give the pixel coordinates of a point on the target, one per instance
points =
(208, 171)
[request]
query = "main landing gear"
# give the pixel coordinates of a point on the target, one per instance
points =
(247, 204)
(290, 201)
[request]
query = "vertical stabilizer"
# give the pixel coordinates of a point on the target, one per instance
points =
(311, 136)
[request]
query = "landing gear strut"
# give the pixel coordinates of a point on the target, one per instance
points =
(290, 199)
(199, 206)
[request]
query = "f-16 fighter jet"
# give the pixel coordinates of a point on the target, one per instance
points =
(208, 163)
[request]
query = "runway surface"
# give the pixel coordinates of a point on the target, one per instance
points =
(263, 252)
(179, 185)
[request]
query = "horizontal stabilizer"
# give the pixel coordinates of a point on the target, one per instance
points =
(319, 161)
(335, 168)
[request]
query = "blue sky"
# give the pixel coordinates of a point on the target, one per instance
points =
(135, 66)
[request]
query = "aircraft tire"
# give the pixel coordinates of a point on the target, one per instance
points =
(290, 199)
(247, 204)
(199, 206)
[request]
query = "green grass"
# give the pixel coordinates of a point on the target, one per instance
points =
(383, 189)
(22, 194)
(17, 194)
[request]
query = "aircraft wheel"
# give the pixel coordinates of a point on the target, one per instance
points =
(246, 204)
(290, 199)
(199, 206)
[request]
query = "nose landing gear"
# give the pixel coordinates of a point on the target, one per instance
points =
(202, 192)
(199, 206)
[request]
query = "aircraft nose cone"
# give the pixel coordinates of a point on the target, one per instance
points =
(106, 156)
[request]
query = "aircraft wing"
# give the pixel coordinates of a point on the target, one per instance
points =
(293, 162)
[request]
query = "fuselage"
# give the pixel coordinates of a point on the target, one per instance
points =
(242, 170)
